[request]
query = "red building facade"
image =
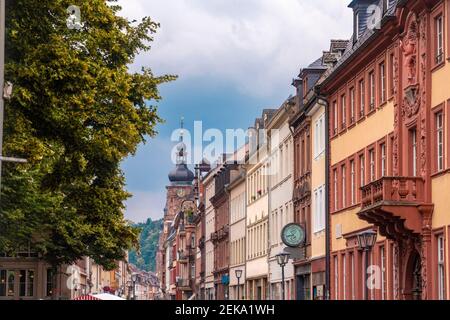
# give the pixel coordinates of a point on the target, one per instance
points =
(386, 150)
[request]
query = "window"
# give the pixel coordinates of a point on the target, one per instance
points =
(440, 141)
(362, 98)
(352, 182)
(344, 273)
(382, 82)
(383, 159)
(26, 283)
(335, 115)
(413, 134)
(319, 137)
(362, 171)
(319, 210)
(386, 5)
(352, 266)
(391, 73)
(336, 278)
(193, 270)
(335, 190)
(372, 165)
(441, 267)
(357, 26)
(372, 90)
(383, 273)
(439, 39)
(344, 189)
(343, 112)
(50, 279)
(352, 105)
(7, 280)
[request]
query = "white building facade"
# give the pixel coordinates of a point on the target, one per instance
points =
(280, 201)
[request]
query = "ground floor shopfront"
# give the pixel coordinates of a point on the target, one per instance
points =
(221, 283)
(257, 288)
(32, 279)
(404, 269)
(237, 285)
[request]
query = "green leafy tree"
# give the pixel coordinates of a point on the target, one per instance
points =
(145, 257)
(76, 113)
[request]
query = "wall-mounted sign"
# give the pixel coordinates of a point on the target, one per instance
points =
(293, 235)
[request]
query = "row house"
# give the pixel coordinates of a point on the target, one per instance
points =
(388, 111)
(237, 192)
(27, 277)
(281, 208)
(210, 223)
(257, 219)
(301, 125)
(308, 121)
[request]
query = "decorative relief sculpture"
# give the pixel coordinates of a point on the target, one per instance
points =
(408, 47)
(412, 97)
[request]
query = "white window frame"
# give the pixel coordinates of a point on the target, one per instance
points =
(383, 81)
(372, 165)
(344, 185)
(439, 39)
(440, 141)
(352, 105)
(319, 209)
(414, 151)
(319, 137)
(441, 267)
(372, 90)
(352, 182)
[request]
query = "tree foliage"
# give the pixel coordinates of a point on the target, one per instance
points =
(145, 257)
(76, 113)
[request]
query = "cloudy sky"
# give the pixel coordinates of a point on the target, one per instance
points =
(233, 58)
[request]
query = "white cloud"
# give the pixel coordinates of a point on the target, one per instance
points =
(257, 45)
(144, 205)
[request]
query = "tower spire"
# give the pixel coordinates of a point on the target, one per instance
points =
(182, 129)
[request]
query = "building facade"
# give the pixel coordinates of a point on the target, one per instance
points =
(280, 187)
(257, 181)
(237, 193)
(388, 154)
(210, 223)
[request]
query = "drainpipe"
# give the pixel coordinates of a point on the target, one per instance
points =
(321, 100)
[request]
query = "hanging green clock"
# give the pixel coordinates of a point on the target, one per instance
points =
(293, 235)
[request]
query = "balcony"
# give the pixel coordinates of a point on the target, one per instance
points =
(395, 205)
(201, 243)
(184, 284)
(183, 256)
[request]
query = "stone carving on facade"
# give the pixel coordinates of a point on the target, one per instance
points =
(396, 269)
(396, 115)
(423, 127)
(412, 97)
(409, 48)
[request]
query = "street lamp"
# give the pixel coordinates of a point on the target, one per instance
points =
(238, 276)
(366, 240)
(283, 259)
(133, 279)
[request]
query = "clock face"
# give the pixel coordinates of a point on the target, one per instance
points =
(181, 193)
(293, 235)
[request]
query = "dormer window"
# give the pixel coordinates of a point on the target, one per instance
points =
(357, 26)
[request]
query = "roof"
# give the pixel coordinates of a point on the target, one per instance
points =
(353, 47)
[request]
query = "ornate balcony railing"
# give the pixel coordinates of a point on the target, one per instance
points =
(183, 283)
(393, 189)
